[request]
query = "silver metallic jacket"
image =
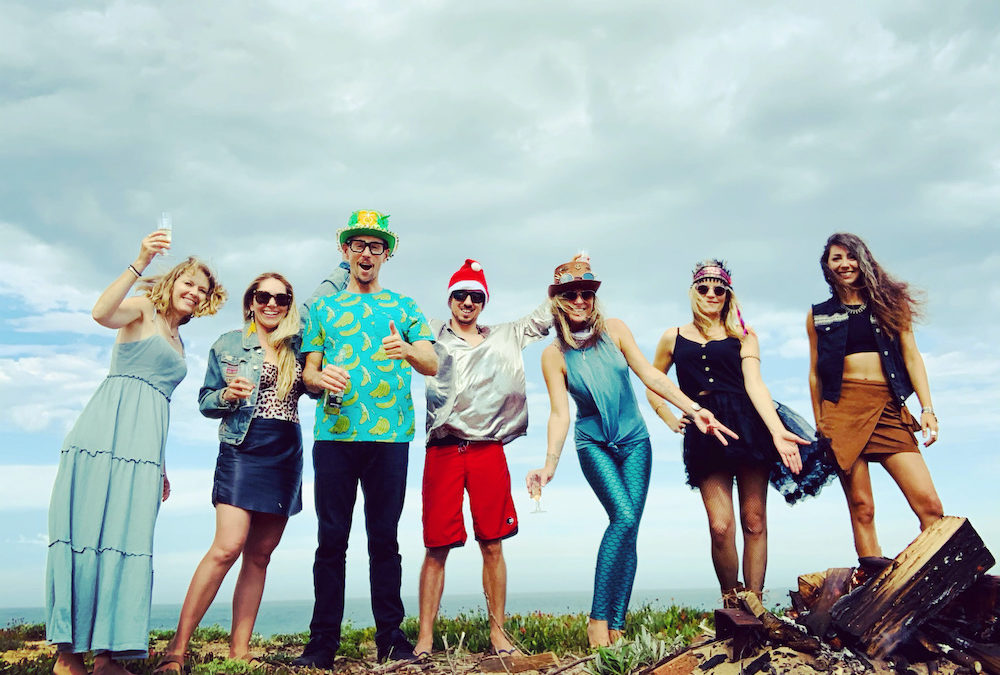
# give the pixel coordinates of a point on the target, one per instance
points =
(478, 393)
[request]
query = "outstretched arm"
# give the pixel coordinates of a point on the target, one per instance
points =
(662, 360)
(662, 385)
(554, 372)
(784, 440)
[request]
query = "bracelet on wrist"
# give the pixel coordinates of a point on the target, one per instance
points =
(927, 409)
(134, 271)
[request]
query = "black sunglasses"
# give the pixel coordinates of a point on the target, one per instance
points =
(571, 296)
(719, 290)
(478, 297)
(281, 299)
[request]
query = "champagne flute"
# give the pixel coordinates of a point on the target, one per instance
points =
(536, 495)
(166, 226)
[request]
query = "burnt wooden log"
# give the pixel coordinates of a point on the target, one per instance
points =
(944, 560)
(758, 664)
(777, 631)
(744, 631)
(835, 584)
(712, 662)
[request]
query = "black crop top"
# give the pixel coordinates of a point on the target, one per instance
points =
(860, 336)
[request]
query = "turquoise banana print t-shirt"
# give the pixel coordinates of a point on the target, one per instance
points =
(348, 329)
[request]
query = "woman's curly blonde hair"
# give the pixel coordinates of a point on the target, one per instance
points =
(160, 288)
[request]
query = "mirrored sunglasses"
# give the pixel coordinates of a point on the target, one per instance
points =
(566, 277)
(718, 290)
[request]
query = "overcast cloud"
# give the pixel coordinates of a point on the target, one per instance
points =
(650, 134)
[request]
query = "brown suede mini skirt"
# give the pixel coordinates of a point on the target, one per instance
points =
(867, 422)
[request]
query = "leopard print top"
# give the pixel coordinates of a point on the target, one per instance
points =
(269, 406)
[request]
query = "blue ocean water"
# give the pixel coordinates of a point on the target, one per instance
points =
(293, 616)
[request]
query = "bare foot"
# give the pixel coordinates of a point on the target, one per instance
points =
(615, 635)
(597, 633)
(105, 665)
(69, 664)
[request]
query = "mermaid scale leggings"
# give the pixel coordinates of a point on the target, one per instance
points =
(619, 476)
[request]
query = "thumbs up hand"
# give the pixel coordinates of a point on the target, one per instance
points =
(394, 345)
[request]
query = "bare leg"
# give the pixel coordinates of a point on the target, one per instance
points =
(231, 527)
(105, 665)
(264, 534)
(910, 472)
(857, 484)
(68, 663)
(495, 588)
(597, 633)
(752, 486)
(717, 495)
(431, 589)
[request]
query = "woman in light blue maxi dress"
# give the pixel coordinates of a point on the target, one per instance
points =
(111, 475)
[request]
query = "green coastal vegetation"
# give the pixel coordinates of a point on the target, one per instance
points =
(652, 633)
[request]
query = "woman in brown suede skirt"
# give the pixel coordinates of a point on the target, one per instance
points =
(864, 364)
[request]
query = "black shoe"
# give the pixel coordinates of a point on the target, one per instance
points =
(317, 656)
(399, 651)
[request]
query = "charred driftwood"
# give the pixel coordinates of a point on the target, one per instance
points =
(824, 594)
(744, 631)
(942, 562)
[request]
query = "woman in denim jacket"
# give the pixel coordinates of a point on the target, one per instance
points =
(253, 383)
(864, 364)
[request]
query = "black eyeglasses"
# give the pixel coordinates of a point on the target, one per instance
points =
(478, 297)
(358, 246)
(704, 288)
(571, 296)
(281, 299)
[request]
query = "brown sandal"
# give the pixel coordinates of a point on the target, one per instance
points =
(167, 660)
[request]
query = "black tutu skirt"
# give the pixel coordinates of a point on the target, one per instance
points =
(264, 472)
(705, 455)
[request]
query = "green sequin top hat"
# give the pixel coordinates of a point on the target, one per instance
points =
(371, 223)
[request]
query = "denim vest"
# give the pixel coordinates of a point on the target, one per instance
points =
(237, 352)
(830, 322)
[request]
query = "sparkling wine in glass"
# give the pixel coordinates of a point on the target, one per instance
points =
(166, 226)
(536, 496)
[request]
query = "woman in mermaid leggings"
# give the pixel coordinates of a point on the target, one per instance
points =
(590, 360)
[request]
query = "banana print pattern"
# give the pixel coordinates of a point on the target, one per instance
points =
(347, 328)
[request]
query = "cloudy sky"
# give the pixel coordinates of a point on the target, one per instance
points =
(650, 134)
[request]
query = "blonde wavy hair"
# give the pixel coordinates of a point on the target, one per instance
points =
(281, 337)
(159, 289)
(730, 315)
(564, 334)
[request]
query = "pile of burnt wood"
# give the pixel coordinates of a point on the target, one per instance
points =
(932, 602)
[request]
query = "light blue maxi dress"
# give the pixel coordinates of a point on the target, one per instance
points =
(99, 573)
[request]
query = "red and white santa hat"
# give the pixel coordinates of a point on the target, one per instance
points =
(469, 277)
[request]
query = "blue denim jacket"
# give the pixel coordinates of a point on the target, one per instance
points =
(830, 322)
(241, 350)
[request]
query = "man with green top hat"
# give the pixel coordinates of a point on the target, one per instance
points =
(362, 343)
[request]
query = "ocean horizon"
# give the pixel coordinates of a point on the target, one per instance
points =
(292, 616)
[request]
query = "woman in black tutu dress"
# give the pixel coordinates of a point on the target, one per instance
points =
(718, 365)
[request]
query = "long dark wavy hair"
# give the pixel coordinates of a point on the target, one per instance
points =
(895, 305)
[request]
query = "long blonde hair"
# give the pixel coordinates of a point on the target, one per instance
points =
(564, 334)
(281, 337)
(159, 289)
(730, 315)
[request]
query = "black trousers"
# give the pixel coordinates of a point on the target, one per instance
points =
(381, 470)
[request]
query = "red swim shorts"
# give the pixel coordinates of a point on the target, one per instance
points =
(479, 467)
